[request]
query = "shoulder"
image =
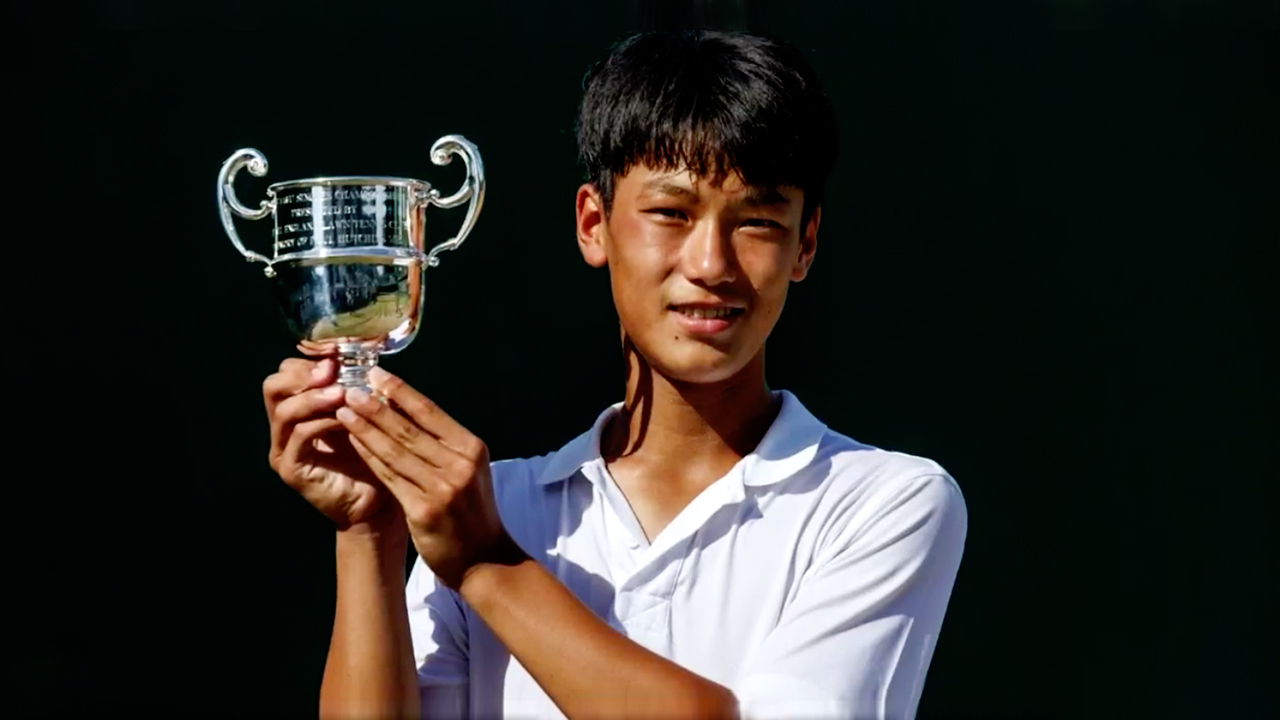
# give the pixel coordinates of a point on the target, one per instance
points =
(520, 480)
(513, 473)
(871, 491)
(857, 465)
(845, 471)
(516, 481)
(529, 492)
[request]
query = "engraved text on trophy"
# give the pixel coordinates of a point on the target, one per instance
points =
(324, 217)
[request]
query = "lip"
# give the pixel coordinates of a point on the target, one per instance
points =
(705, 326)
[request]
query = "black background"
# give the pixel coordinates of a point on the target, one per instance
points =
(1048, 260)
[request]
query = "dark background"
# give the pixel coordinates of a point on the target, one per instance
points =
(1048, 260)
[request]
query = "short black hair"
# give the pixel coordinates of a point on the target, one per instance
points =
(712, 102)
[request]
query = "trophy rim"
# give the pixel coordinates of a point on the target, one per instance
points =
(365, 180)
(379, 254)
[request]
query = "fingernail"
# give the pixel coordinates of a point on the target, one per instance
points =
(356, 396)
(333, 392)
(319, 371)
(377, 374)
(345, 414)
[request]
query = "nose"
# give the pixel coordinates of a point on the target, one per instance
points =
(708, 255)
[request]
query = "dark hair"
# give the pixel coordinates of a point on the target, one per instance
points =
(712, 102)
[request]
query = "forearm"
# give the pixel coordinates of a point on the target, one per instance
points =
(587, 668)
(370, 668)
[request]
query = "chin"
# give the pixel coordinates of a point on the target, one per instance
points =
(698, 363)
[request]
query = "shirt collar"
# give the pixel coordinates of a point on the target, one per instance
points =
(790, 444)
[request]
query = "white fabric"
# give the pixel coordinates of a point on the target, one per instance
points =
(811, 580)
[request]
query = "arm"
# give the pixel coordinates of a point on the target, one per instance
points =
(439, 474)
(586, 667)
(370, 669)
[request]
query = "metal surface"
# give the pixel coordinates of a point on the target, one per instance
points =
(228, 203)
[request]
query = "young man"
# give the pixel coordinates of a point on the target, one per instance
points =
(708, 548)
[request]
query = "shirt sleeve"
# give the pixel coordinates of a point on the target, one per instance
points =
(438, 627)
(857, 638)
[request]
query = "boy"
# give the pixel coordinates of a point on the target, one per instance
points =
(708, 548)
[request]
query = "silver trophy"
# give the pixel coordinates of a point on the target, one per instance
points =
(348, 257)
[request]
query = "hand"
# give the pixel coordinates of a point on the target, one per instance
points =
(311, 451)
(438, 472)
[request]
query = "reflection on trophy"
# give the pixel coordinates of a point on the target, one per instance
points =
(348, 254)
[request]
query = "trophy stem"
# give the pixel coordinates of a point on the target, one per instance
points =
(355, 360)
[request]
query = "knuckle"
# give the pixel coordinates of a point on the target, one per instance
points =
(420, 406)
(272, 391)
(285, 468)
(377, 412)
(430, 407)
(450, 493)
(421, 513)
(403, 431)
(475, 449)
(394, 452)
(392, 385)
(293, 377)
(463, 467)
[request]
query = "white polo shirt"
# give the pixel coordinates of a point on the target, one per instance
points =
(811, 580)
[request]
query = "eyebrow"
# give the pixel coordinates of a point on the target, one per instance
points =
(765, 197)
(756, 196)
(666, 187)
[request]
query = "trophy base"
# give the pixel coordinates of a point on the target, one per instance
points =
(355, 360)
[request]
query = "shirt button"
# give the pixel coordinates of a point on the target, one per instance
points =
(633, 544)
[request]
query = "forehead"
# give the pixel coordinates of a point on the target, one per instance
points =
(682, 182)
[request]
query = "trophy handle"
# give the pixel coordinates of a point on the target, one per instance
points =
(227, 202)
(442, 153)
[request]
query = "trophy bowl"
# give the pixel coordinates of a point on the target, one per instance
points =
(348, 256)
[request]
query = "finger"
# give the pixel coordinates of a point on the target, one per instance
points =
(400, 429)
(404, 491)
(308, 405)
(296, 375)
(425, 413)
(318, 349)
(420, 507)
(302, 437)
(398, 458)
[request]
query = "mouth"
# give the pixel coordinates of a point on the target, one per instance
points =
(706, 319)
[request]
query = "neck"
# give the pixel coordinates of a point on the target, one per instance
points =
(700, 428)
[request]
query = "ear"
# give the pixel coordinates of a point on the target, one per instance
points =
(808, 246)
(591, 226)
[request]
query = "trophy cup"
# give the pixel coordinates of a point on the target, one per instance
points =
(348, 256)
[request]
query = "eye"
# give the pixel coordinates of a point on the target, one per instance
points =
(670, 213)
(762, 223)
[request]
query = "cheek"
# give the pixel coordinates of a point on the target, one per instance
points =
(636, 303)
(768, 267)
(633, 240)
(638, 266)
(770, 276)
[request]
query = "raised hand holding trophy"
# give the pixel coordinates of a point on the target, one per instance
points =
(348, 257)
